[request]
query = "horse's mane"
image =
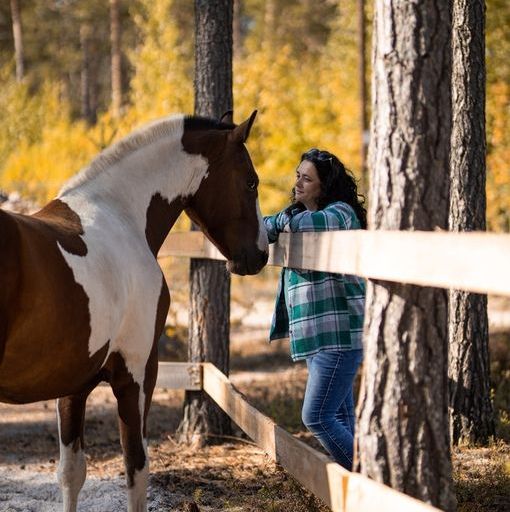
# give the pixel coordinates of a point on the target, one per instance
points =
(147, 134)
(196, 123)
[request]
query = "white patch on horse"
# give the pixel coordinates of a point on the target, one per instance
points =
(119, 273)
(72, 470)
(137, 495)
(262, 241)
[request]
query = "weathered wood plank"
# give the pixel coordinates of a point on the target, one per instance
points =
(191, 244)
(341, 490)
(179, 376)
(469, 261)
(171, 375)
(476, 262)
(364, 494)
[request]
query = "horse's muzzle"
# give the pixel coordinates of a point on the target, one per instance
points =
(248, 263)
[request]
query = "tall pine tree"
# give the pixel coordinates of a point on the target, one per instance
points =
(403, 413)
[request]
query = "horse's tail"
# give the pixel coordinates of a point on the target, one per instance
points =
(9, 271)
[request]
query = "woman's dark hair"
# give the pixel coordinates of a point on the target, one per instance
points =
(337, 184)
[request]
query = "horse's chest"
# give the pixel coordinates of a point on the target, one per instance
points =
(122, 283)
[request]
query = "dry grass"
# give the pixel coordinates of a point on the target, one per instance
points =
(482, 478)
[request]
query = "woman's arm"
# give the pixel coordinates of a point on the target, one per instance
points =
(275, 224)
(335, 216)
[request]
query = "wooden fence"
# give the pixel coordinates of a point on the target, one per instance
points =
(477, 262)
(338, 488)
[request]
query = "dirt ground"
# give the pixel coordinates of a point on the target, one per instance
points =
(233, 476)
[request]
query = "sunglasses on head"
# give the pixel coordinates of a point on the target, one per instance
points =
(323, 156)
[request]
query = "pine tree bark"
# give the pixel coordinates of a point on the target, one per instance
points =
(204, 421)
(17, 33)
(116, 57)
(87, 111)
(362, 88)
(403, 410)
(471, 414)
(237, 28)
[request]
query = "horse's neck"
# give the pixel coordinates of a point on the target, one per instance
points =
(145, 188)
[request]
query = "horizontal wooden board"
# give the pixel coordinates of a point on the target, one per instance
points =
(340, 489)
(475, 262)
(191, 244)
(179, 376)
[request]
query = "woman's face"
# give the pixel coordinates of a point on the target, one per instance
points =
(308, 186)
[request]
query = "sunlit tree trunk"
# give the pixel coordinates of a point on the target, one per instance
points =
(238, 28)
(209, 281)
(116, 57)
(270, 25)
(87, 109)
(403, 411)
(471, 415)
(362, 89)
(18, 40)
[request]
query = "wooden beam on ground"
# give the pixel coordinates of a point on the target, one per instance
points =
(341, 490)
(179, 376)
(476, 262)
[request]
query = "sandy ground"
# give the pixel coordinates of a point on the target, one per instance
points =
(232, 476)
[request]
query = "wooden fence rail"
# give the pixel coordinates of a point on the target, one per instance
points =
(477, 262)
(338, 488)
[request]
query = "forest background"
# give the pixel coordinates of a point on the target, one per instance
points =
(296, 61)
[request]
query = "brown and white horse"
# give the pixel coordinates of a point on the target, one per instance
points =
(82, 297)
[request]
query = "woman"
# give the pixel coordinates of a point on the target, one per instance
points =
(322, 312)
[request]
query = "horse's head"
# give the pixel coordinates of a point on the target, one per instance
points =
(225, 206)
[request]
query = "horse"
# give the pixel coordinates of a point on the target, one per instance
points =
(82, 297)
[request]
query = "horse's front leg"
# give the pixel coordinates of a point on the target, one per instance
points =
(72, 468)
(133, 404)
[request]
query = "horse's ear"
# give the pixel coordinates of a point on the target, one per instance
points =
(228, 117)
(240, 133)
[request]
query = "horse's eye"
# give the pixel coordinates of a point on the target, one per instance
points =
(252, 185)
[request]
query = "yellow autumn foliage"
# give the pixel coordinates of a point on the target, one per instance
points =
(303, 101)
(162, 83)
(498, 157)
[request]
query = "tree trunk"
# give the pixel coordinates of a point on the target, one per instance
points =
(403, 411)
(87, 111)
(209, 281)
(116, 63)
(18, 40)
(238, 28)
(270, 26)
(363, 90)
(471, 415)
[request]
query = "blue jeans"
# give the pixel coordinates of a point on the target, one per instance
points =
(328, 408)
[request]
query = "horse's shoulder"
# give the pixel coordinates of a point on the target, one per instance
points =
(9, 271)
(9, 235)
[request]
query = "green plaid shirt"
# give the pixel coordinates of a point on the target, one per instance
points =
(317, 310)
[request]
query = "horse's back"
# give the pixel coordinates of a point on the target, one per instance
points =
(44, 312)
